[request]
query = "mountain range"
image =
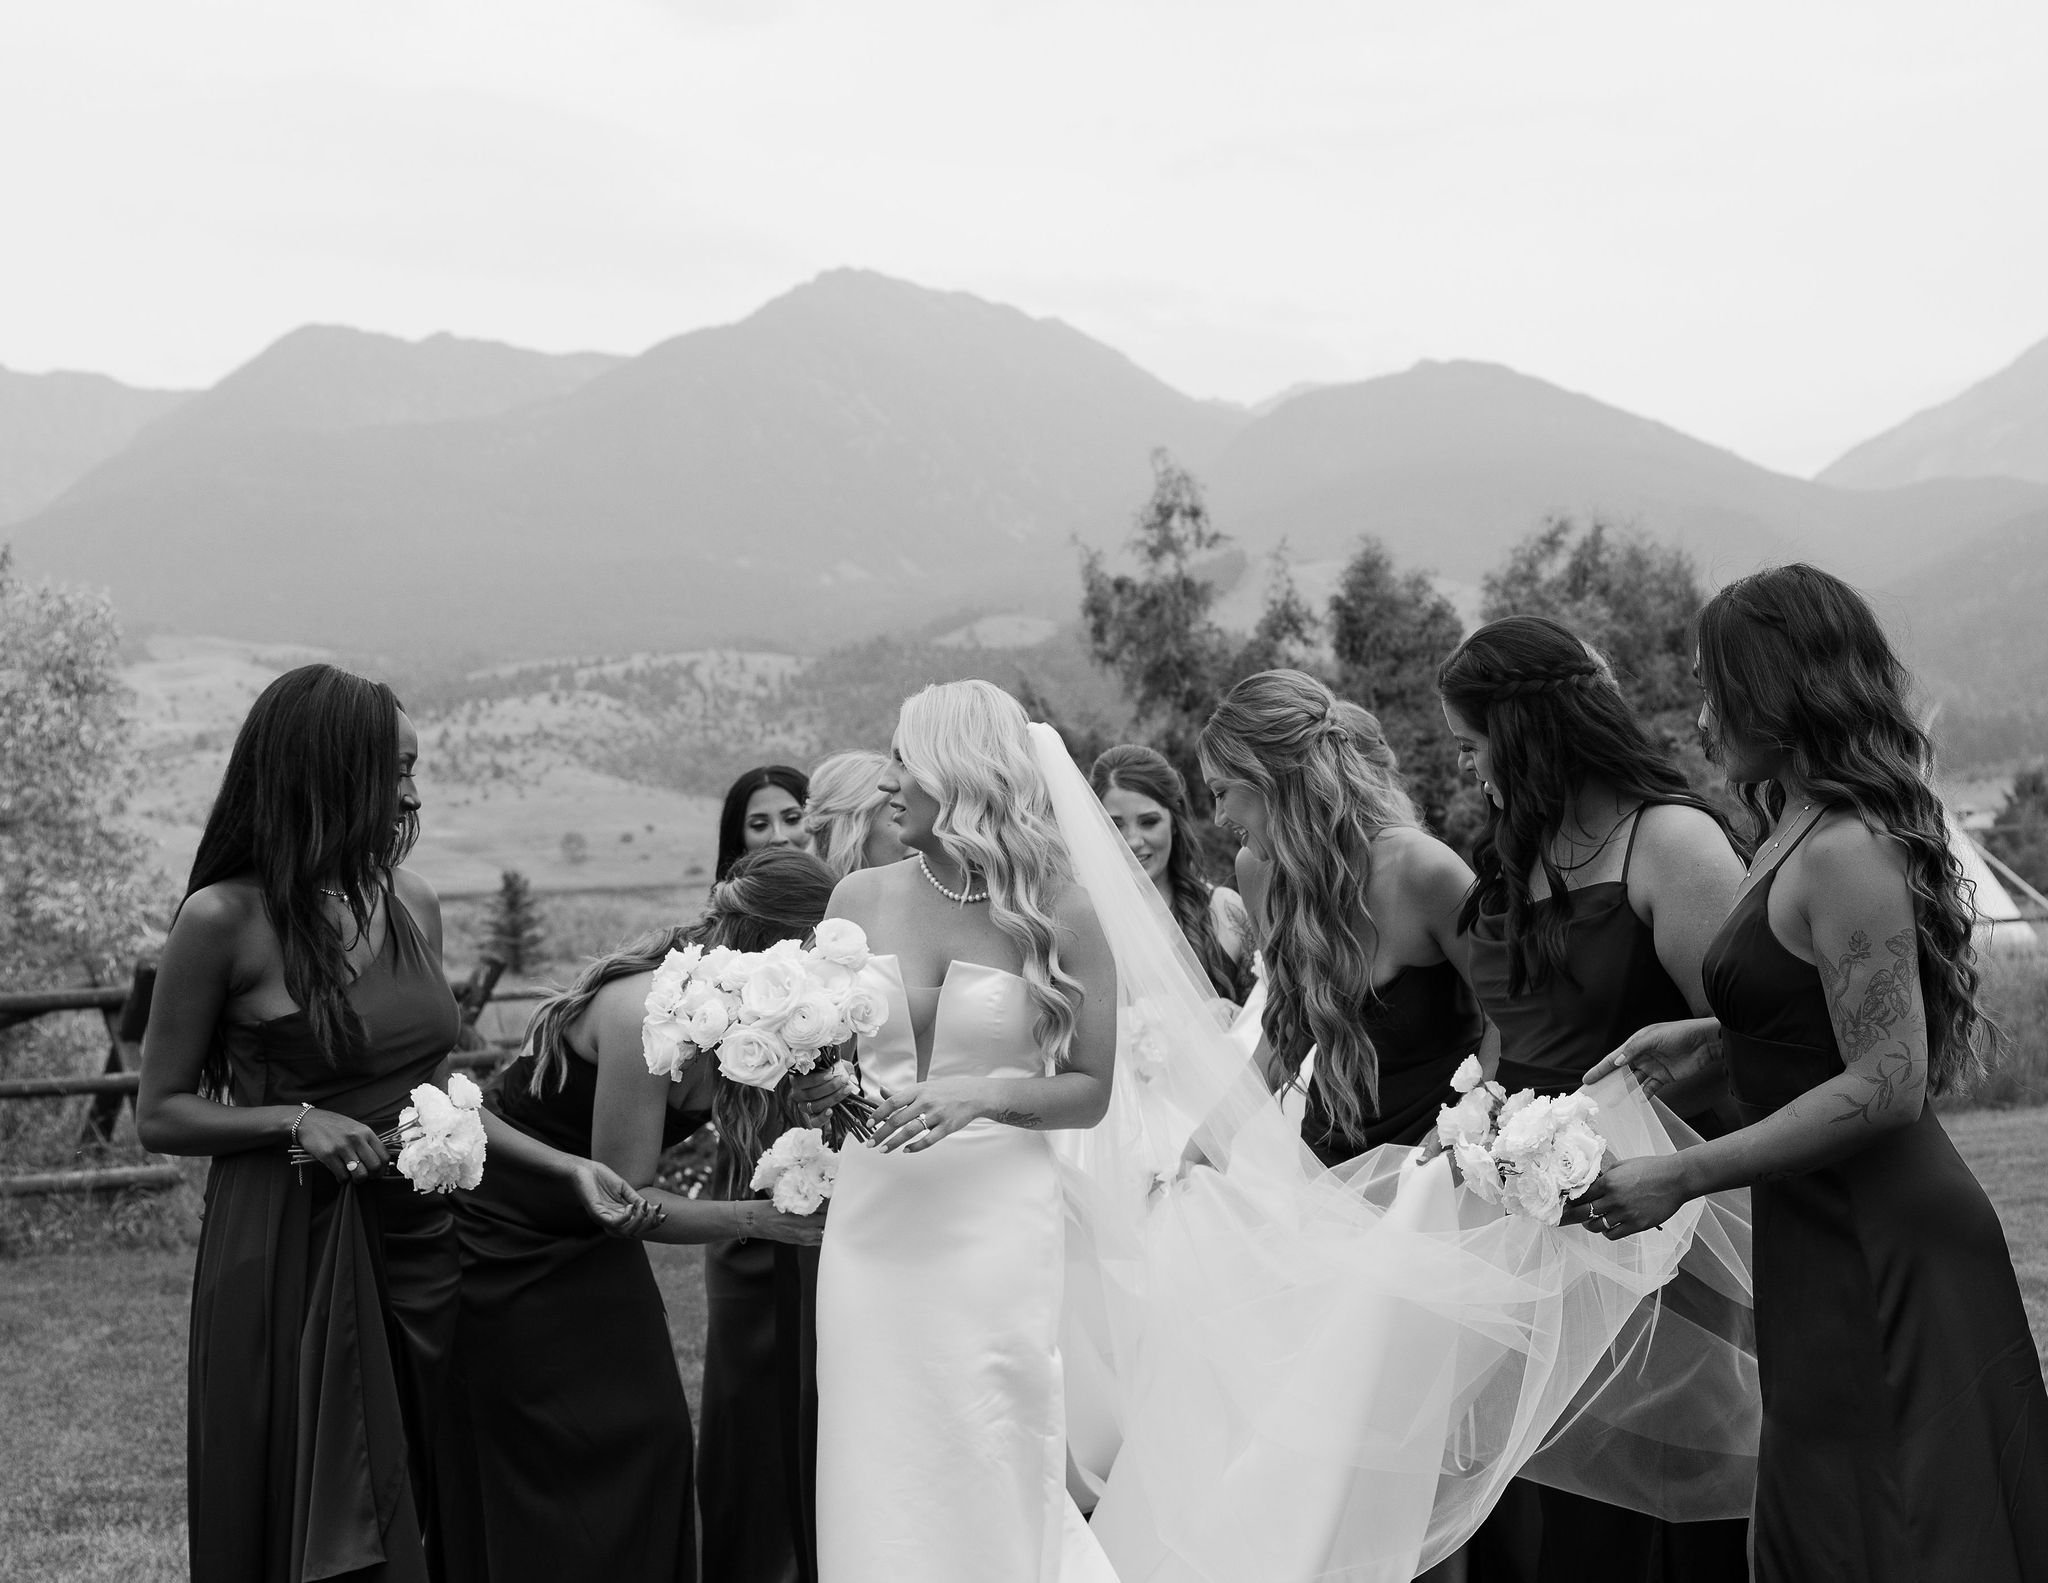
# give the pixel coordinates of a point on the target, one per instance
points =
(863, 456)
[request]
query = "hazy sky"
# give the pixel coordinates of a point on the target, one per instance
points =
(1778, 226)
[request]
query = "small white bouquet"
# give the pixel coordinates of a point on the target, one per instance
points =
(1527, 1152)
(439, 1137)
(767, 1013)
(798, 1171)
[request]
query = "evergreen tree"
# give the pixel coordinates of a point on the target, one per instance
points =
(514, 935)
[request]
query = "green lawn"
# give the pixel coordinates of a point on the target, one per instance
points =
(92, 1376)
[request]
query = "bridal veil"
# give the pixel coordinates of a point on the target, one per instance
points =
(1278, 1372)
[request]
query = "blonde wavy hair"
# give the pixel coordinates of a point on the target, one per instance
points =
(965, 743)
(846, 805)
(1327, 794)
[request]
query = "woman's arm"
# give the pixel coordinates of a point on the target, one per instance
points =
(627, 1119)
(194, 984)
(1077, 1095)
(1856, 910)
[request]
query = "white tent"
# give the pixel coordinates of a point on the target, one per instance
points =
(2000, 927)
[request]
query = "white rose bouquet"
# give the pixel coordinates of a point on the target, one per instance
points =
(798, 1171)
(1529, 1153)
(439, 1137)
(765, 1014)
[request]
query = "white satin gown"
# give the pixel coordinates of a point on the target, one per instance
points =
(941, 1422)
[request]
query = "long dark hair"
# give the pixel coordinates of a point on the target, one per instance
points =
(1550, 709)
(310, 802)
(1284, 734)
(776, 893)
(1795, 660)
(1133, 767)
(732, 817)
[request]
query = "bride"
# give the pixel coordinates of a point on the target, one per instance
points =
(942, 1437)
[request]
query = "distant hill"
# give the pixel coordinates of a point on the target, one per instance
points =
(857, 454)
(1450, 463)
(55, 428)
(1998, 426)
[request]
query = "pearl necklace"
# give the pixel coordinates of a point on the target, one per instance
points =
(958, 897)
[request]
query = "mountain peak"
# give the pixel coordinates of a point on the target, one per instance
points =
(1998, 427)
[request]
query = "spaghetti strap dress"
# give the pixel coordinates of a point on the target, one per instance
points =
(578, 1431)
(1551, 1034)
(1422, 1022)
(323, 1312)
(1905, 1429)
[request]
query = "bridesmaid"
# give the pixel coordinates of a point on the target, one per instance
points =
(1601, 880)
(581, 1431)
(753, 1513)
(299, 1001)
(1905, 1425)
(846, 814)
(1147, 801)
(1363, 953)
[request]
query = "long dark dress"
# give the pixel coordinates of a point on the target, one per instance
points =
(1905, 1432)
(323, 1312)
(575, 1407)
(1422, 1023)
(1551, 1034)
(749, 1480)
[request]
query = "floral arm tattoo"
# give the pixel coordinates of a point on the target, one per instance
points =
(1876, 1033)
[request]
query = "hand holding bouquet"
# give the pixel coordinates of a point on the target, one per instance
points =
(767, 1013)
(1528, 1153)
(439, 1138)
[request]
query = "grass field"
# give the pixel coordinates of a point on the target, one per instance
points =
(92, 1376)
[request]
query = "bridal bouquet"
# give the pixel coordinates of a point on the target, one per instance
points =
(439, 1137)
(765, 1014)
(798, 1171)
(1528, 1153)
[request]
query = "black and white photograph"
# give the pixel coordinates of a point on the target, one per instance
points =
(958, 792)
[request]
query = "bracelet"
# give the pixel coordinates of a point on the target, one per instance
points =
(304, 1106)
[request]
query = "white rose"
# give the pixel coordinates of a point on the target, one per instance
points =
(1477, 1169)
(669, 978)
(727, 968)
(772, 989)
(831, 977)
(705, 1023)
(1469, 1120)
(463, 1093)
(842, 942)
(811, 1021)
(865, 1010)
(1469, 1075)
(1575, 1156)
(754, 1056)
(1524, 1130)
(432, 1110)
(1533, 1192)
(665, 1047)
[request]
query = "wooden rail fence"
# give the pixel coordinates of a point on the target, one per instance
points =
(125, 1010)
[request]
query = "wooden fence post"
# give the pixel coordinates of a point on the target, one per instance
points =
(125, 1028)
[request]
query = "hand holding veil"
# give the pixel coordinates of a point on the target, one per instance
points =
(1277, 1371)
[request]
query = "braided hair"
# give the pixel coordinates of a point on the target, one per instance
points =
(1556, 722)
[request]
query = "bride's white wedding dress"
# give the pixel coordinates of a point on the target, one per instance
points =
(941, 1421)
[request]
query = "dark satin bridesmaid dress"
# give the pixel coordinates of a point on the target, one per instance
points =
(323, 1313)
(1905, 1433)
(578, 1429)
(1423, 1022)
(1551, 1034)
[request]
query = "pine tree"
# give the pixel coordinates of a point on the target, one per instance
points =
(514, 935)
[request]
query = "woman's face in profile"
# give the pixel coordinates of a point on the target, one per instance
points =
(1475, 754)
(913, 811)
(774, 818)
